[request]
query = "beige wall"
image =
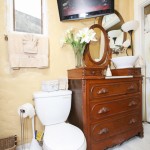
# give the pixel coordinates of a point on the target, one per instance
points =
(17, 86)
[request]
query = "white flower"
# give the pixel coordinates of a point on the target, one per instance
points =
(80, 39)
(76, 38)
(82, 33)
(69, 31)
(86, 35)
(92, 35)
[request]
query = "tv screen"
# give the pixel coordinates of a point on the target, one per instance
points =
(80, 9)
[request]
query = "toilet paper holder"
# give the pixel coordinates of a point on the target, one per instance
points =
(22, 110)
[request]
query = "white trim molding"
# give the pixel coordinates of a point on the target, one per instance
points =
(139, 33)
(9, 16)
(139, 44)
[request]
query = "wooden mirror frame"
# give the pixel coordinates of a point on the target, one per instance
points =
(106, 59)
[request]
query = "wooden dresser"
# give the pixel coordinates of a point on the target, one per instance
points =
(108, 111)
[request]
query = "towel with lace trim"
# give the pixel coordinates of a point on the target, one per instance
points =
(27, 50)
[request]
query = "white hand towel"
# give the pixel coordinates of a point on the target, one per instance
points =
(30, 44)
(27, 50)
(29, 110)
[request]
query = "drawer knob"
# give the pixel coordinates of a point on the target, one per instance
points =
(102, 91)
(103, 131)
(103, 110)
(132, 103)
(132, 121)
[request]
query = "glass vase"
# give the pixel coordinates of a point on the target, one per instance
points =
(78, 59)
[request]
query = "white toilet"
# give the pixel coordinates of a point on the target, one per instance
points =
(52, 109)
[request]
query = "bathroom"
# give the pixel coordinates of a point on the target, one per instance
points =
(18, 85)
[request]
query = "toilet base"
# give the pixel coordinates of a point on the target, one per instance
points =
(63, 136)
(83, 147)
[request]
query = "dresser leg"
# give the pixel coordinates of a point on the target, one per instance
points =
(140, 134)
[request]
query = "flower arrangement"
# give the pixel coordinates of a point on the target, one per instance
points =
(78, 41)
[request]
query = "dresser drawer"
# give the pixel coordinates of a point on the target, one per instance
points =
(112, 89)
(114, 127)
(107, 109)
(94, 72)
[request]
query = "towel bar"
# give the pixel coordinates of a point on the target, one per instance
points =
(6, 37)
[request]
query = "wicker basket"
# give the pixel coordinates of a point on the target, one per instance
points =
(8, 143)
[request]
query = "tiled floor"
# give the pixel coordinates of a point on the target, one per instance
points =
(136, 143)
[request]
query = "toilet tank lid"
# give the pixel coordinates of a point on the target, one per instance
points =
(42, 94)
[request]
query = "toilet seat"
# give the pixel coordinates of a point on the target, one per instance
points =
(63, 136)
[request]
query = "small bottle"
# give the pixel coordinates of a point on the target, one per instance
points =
(108, 72)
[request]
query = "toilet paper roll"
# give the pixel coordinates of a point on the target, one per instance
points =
(28, 109)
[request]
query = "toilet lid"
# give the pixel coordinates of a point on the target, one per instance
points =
(63, 136)
(42, 94)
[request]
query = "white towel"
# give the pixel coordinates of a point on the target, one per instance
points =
(30, 44)
(29, 110)
(27, 50)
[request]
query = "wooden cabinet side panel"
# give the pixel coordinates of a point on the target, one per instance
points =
(76, 113)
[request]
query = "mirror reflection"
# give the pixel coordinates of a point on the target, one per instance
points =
(112, 21)
(109, 21)
(97, 48)
(112, 24)
(117, 38)
(117, 43)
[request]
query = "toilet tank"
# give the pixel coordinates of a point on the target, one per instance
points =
(52, 107)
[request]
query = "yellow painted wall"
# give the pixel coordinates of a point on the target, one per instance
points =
(17, 86)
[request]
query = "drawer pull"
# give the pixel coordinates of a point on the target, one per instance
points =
(103, 110)
(132, 103)
(103, 131)
(102, 91)
(93, 72)
(131, 88)
(132, 121)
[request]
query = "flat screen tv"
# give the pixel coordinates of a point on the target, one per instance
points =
(81, 9)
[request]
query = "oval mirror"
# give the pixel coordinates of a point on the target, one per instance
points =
(97, 48)
(98, 54)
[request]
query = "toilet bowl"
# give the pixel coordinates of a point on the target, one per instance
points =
(63, 136)
(52, 109)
